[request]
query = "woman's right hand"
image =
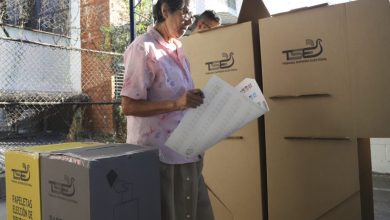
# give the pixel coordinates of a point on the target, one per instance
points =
(190, 99)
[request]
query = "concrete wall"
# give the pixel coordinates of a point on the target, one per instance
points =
(380, 155)
(198, 6)
(31, 68)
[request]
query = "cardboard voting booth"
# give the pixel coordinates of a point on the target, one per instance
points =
(324, 71)
(325, 77)
(234, 167)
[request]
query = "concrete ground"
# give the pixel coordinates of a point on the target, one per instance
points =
(2, 210)
(381, 185)
(381, 198)
(2, 196)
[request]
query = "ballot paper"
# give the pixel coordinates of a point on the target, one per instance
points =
(225, 110)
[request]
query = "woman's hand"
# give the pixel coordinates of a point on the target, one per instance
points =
(190, 99)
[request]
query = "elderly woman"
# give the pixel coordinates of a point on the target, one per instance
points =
(157, 90)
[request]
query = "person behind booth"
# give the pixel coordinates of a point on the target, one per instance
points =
(207, 20)
(157, 91)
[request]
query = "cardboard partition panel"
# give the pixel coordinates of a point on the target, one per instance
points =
(368, 31)
(235, 167)
(332, 58)
(226, 52)
(325, 77)
(232, 168)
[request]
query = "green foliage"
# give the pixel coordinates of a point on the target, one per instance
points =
(143, 16)
(118, 37)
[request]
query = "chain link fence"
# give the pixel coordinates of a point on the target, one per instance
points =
(61, 71)
(61, 68)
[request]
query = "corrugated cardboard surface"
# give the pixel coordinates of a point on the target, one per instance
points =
(116, 181)
(308, 178)
(352, 68)
(233, 41)
(22, 188)
(64, 188)
(368, 29)
(22, 179)
(232, 167)
(345, 210)
(317, 115)
(325, 75)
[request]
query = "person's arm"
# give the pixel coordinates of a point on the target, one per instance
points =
(143, 108)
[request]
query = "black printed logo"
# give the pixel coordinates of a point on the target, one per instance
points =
(221, 65)
(306, 54)
(23, 174)
(66, 188)
(126, 206)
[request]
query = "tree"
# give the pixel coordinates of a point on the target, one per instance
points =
(143, 15)
(118, 37)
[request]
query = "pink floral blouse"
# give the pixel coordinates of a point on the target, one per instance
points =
(155, 71)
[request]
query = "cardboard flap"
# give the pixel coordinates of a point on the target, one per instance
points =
(302, 9)
(102, 151)
(212, 29)
(69, 158)
(252, 10)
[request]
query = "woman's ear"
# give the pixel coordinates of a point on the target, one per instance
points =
(164, 10)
